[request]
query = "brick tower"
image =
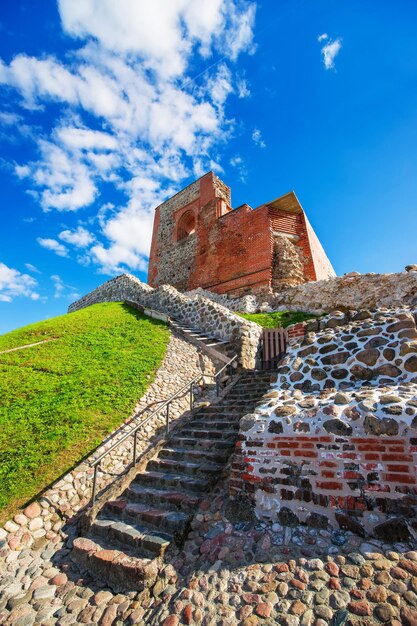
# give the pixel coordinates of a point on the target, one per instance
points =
(200, 241)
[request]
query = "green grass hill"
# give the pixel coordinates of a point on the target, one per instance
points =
(59, 399)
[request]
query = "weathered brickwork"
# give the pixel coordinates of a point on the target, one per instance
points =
(335, 440)
(197, 312)
(232, 251)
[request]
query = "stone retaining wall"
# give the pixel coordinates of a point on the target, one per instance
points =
(349, 292)
(335, 440)
(352, 291)
(197, 312)
(44, 519)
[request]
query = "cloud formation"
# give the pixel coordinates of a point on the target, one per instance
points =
(13, 283)
(330, 50)
(80, 237)
(131, 112)
(257, 138)
(53, 245)
(62, 290)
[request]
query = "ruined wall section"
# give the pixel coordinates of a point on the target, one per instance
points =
(222, 190)
(335, 441)
(352, 291)
(287, 264)
(171, 261)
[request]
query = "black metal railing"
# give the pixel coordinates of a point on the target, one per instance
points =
(165, 405)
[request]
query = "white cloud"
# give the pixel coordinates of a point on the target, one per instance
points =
(243, 88)
(80, 237)
(62, 290)
(257, 138)
(131, 111)
(85, 139)
(32, 268)
(330, 51)
(9, 119)
(58, 285)
(13, 283)
(66, 183)
(323, 37)
(162, 33)
(52, 244)
(239, 164)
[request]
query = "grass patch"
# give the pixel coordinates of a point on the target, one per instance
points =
(60, 399)
(277, 319)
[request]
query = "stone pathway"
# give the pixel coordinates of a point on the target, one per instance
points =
(229, 572)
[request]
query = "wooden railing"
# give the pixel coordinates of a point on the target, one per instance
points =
(274, 347)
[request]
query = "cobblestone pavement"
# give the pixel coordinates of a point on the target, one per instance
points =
(234, 573)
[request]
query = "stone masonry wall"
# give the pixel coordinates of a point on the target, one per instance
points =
(335, 440)
(197, 312)
(46, 518)
(287, 266)
(352, 291)
(177, 256)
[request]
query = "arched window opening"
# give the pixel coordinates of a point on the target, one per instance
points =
(186, 225)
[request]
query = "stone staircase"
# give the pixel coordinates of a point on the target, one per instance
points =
(218, 348)
(126, 543)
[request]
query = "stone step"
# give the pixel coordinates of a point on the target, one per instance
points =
(202, 444)
(218, 411)
(143, 540)
(216, 424)
(199, 468)
(213, 416)
(120, 569)
(241, 404)
(131, 534)
(208, 433)
(215, 456)
(182, 500)
(244, 397)
(179, 481)
(258, 380)
(171, 521)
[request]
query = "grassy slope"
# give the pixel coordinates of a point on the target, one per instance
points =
(58, 400)
(279, 318)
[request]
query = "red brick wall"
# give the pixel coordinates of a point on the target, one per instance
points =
(295, 331)
(344, 478)
(234, 251)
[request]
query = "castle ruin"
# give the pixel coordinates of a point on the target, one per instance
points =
(200, 241)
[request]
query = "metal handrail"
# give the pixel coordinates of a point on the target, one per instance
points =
(165, 405)
(217, 374)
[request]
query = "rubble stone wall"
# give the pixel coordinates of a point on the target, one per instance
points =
(197, 312)
(352, 291)
(335, 440)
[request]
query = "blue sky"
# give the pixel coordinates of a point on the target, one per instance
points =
(108, 107)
